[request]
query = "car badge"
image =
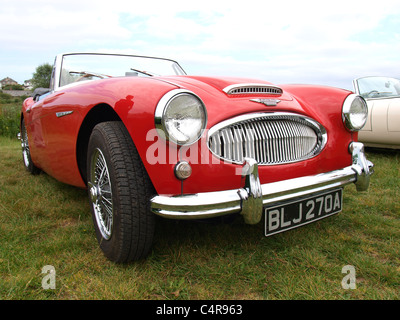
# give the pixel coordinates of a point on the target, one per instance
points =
(267, 102)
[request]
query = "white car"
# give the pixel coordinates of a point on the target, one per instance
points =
(382, 95)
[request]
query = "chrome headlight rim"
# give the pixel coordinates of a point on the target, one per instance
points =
(348, 112)
(162, 108)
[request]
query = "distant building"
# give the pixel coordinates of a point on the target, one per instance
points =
(28, 84)
(8, 81)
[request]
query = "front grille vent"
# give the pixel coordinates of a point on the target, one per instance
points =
(275, 138)
(252, 89)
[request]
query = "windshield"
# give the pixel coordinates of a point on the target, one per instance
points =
(378, 87)
(89, 66)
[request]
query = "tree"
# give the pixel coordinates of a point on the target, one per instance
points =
(41, 78)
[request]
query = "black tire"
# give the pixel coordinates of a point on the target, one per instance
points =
(128, 235)
(26, 154)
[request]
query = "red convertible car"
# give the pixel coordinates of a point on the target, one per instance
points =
(146, 139)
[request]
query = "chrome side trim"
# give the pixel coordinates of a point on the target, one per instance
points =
(64, 113)
(250, 200)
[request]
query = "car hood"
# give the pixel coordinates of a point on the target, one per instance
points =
(221, 105)
(219, 85)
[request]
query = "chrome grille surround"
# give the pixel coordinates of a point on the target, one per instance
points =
(268, 138)
(253, 88)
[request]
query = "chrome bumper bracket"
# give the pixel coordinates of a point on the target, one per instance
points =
(251, 194)
(362, 167)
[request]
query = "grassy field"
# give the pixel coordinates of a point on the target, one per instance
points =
(44, 222)
(10, 109)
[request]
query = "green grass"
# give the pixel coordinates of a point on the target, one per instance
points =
(44, 222)
(10, 108)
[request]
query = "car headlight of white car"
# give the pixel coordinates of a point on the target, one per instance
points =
(355, 112)
(181, 116)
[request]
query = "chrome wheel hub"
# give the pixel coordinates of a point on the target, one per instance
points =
(95, 193)
(100, 193)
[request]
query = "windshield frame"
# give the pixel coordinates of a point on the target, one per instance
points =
(56, 82)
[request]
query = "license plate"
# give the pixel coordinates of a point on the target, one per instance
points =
(306, 210)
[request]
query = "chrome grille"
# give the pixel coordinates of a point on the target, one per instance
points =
(274, 138)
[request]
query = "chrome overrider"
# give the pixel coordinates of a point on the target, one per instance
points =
(250, 199)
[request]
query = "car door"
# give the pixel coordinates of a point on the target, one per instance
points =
(394, 115)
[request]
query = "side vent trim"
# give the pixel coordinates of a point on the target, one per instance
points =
(252, 88)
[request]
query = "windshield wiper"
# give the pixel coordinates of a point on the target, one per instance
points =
(144, 72)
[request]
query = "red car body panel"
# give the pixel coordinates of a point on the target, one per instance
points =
(54, 140)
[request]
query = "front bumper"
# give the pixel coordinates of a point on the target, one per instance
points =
(251, 199)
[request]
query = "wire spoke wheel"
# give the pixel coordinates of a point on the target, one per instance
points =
(119, 194)
(25, 147)
(100, 193)
(26, 153)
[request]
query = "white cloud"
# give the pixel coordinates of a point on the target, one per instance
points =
(36, 25)
(281, 41)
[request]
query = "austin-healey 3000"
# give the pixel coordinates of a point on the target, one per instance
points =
(147, 139)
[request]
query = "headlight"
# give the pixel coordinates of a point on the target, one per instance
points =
(181, 116)
(355, 112)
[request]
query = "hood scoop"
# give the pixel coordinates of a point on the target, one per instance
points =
(252, 88)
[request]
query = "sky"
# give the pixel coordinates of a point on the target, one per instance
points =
(286, 41)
